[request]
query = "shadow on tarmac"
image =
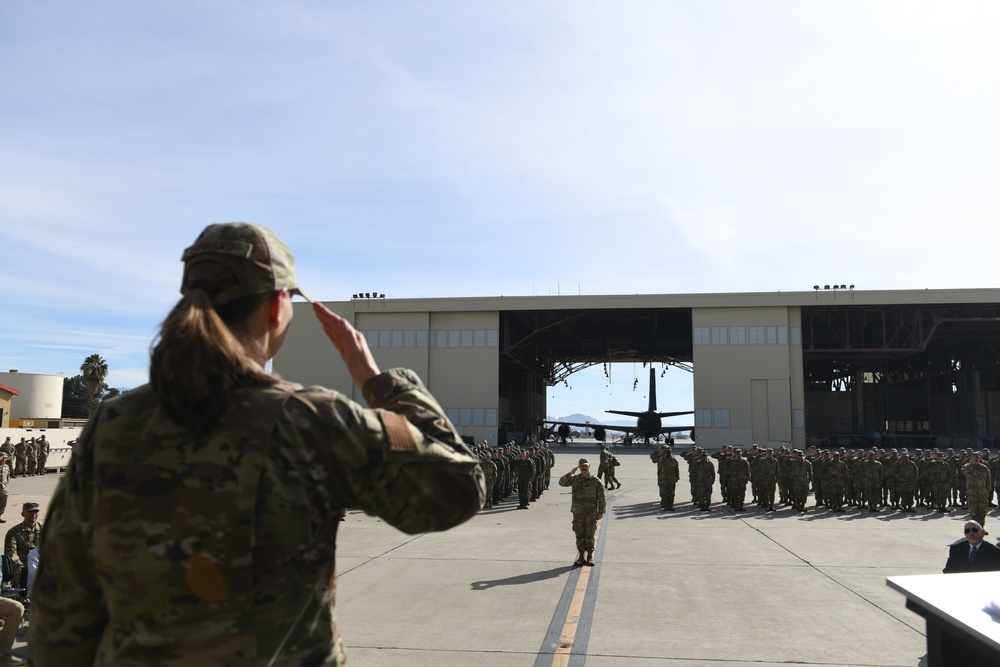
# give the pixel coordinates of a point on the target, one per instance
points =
(522, 578)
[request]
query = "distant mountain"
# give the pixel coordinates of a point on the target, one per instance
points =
(583, 419)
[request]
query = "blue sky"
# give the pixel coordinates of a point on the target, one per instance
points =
(482, 148)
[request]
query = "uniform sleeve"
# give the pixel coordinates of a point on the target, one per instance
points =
(601, 499)
(68, 616)
(400, 460)
(10, 546)
(565, 480)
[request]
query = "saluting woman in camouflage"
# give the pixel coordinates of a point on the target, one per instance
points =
(196, 523)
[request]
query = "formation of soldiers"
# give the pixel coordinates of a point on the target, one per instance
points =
(27, 457)
(868, 479)
(525, 469)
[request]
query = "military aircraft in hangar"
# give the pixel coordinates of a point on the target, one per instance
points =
(649, 424)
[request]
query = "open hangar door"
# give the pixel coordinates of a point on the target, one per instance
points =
(541, 348)
(902, 376)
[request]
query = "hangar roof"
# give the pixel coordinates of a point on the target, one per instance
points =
(844, 331)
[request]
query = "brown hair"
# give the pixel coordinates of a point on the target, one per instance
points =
(198, 361)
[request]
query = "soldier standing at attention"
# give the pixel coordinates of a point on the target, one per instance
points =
(704, 479)
(43, 454)
(767, 479)
(19, 458)
(490, 472)
(667, 474)
(836, 481)
(196, 523)
(739, 474)
(587, 506)
(524, 469)
(872, 478)
(8, 448)
(978, 483)
(801, 476)
(906, 474)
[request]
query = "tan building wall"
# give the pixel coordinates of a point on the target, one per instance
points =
(748, 376)
(5, 397)
(454, 353)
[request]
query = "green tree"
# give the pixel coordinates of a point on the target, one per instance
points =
(75, 403)
(94, 370)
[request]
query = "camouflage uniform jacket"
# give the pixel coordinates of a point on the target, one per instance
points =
(167, 549)
(667, 469)
(767, 470)
(588, 494)
(978, 477)
(20, 540)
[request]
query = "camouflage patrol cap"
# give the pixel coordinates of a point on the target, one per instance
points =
(29, 507)
(230, 260)
(583, 462)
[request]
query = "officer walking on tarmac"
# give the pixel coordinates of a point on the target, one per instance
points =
(587, 508)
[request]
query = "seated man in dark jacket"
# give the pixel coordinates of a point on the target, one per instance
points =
(972, 554)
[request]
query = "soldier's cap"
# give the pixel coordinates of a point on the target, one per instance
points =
(230, 260)
(583, 462)
(29, 507)
(796, 451)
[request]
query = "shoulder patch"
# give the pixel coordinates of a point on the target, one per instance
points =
(397, 429)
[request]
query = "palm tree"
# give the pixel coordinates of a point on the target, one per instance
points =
(94, 370)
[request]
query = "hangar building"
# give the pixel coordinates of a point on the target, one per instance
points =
(772, 368)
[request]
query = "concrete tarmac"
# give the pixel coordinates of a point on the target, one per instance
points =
(677, 589)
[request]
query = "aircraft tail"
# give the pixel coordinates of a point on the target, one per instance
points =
(652, 388)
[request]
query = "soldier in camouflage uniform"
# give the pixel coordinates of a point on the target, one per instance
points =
(837, 475)
(723, 456)
(995, 472)
(739, 475)
(978, 485)
(587, 506)
(872, 481)
(704, 479)
(23, 537)
(924, 479)
(801, 475)
(43, 454)
(786, 461)
(4, 480)
(31, 458)
(667, 474)
(19, 457)
(940, 482)
(524, 471)
(490, 474)
(766, 473)
(8, 448)
(906, 475)
(196, 523)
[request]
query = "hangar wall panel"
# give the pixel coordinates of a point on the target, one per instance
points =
(454, 353)
(748, 375)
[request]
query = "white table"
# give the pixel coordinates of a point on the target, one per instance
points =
(959, 632)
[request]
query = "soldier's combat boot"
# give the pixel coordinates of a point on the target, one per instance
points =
(590, 557)
(579, 561)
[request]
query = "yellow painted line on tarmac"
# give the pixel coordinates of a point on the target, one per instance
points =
(560, 658)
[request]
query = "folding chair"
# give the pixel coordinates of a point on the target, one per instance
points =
(8, 589)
